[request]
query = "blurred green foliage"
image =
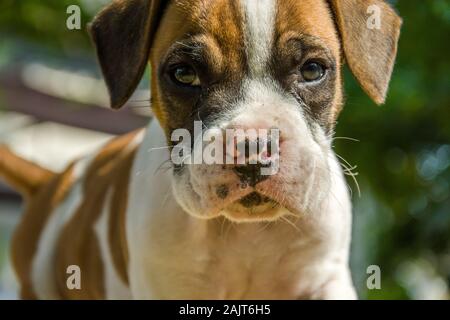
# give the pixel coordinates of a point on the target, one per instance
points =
(402, 218)
(44, 22)
(403, 156)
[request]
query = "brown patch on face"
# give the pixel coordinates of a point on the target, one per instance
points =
(304, 31)
(211, 34)
(308, 17)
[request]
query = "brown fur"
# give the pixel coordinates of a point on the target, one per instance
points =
(23, 175)
(78, 244)
(26, 236)
(116, 226)
(370, 53)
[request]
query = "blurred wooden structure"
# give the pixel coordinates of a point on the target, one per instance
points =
(29, 109)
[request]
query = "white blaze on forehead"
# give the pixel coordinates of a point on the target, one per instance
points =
(259, 26)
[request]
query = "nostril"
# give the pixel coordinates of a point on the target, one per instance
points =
(269, 147)
(242, 148)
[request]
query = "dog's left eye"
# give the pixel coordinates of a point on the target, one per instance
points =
(185, 75)
(312, 71)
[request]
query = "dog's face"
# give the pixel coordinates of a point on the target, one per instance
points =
(254, 65)
(247, 64)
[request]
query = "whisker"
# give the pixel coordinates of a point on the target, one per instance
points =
(348, 172)
(349, 166)
(221, 228)
(290, 223)
(346, 138)
(264, 227)
(158, 148)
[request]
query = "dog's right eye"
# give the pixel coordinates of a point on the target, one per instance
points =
(185, 75)
(312, 71)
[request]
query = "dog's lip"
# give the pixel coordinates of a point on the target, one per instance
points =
(268, 190)
(255, 199)
(232, 197)
(248, 198)
(273, 190)
(257, 211)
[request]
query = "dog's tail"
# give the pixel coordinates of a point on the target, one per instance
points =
(24, 176)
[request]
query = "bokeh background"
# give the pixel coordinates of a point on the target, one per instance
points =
(53, 107)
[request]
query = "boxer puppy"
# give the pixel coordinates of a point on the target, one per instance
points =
(138, 225)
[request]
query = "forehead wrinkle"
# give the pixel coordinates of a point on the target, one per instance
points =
(211, 50)
(308, 17)
(220, 22)
(223, 25)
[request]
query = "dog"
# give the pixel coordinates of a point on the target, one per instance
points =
(137, 230)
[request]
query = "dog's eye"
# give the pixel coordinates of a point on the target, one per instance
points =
(185, 75)
(312, 71)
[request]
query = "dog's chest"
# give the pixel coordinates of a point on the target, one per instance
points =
(239, 262)
(256, 263)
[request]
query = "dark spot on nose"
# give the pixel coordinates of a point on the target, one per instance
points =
(222, 191)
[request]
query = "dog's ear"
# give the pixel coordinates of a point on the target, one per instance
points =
(122, 34)
(369, 31)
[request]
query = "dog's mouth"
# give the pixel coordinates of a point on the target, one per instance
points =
(253, 207)
(255, 199)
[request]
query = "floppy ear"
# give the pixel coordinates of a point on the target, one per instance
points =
(122, 34)
(370, 45)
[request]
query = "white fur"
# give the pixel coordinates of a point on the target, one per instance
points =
(115, 288)
(43, 266)
(259, 27)
(149, 191)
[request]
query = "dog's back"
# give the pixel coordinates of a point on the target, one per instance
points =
(58, 227)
